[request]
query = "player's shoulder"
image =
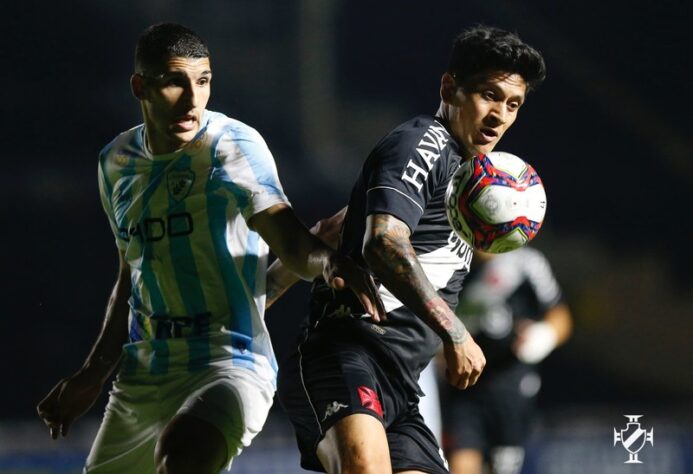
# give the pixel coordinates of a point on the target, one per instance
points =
(126, 143)
(530, 253)
(413, 129)
(222, 126)
(530, 259)
(424, 131)
(519, 255)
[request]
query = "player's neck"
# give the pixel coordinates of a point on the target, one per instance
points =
(445, 114)
(158, 147)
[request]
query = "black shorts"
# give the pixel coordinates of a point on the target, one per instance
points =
(495, 412)
(323, 382)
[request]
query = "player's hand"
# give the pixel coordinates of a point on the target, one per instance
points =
(328, 229)
(465, 362)
(342, 272)
(67, 401)
(535, 340)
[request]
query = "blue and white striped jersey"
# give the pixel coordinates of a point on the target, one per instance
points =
(197, 270)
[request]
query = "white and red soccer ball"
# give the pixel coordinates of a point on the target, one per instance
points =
(496, 202)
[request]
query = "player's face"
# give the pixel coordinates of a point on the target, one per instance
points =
(482, 112)
(173, 101)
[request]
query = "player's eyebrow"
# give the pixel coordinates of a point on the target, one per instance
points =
(169, 74)
(499, 90)
(180, 73)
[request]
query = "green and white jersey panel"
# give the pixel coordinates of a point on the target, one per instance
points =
(198, 272)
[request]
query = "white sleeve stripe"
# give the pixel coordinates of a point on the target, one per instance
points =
(541, 277)
(395, 189)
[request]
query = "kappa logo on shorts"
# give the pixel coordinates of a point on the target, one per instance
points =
(333, 408)
(369, 399)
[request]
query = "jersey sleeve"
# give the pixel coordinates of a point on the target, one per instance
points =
(106, 193)
(399, 180)
(249, 171)
(542, 280)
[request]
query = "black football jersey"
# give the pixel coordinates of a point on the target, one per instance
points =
(509, 287)
(406, 175)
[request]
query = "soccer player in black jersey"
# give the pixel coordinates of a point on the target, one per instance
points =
(514, 306)
(350, 389)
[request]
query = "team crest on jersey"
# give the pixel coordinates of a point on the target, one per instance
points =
(121, 160)
(197, 144)
(180, 183)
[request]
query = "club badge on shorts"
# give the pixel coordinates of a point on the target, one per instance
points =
(369, 399)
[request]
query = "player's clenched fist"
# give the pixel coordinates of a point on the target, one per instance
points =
(344, 272)
(465, 362)
(67, 401)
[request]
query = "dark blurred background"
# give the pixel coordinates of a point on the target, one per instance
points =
(609, 132)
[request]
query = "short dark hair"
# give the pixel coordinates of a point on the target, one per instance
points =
(484, 49)
(166, 40)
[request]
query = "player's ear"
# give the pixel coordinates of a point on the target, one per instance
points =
(137, 86)
(448, 87)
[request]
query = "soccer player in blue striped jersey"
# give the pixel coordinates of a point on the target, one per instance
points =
(195, 203)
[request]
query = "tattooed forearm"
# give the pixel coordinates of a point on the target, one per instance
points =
(391, 252)
(392, 258)
(443, 317)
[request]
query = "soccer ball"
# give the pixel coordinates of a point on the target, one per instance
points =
(496, 202)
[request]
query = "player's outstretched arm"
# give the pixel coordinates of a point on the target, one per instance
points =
(306, 256)
(73, 396)
(390, 255)
(280, 278)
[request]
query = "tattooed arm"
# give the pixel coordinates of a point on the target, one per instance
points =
(390, 255)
